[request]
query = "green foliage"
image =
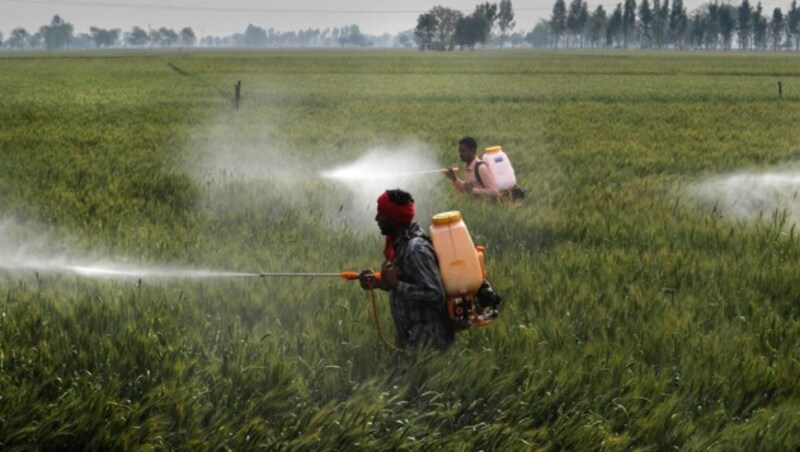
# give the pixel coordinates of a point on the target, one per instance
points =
(633, 317)
(56, 35)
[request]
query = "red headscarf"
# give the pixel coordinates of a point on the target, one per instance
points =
(403, 214)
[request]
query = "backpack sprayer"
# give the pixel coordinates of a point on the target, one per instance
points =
(471, 302)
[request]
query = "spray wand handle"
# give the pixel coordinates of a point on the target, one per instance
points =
(351, 276)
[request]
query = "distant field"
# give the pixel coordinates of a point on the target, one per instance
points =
(635, 316)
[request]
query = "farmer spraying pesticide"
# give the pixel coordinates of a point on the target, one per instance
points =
(491, 176)
(479, 179)
(410, 273)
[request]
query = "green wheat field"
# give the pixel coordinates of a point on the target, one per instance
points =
(636, 313)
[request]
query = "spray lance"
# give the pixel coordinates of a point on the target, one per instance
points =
(345, 174)
(350, 275)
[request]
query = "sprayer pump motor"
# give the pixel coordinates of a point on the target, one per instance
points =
(475, 310)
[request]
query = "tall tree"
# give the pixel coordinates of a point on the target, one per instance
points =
(776, 28)
(505, 19)
(583, 20)
(744, 27)
(727, 25)
(574, 26)
(446, 21)
(168, 37)
(188, 37)
(711, 26)
(540, 36)
(255, 36)
(660, 22)
(698, 26)
(628, 21)
(425, 31)
(678, 21)
(490, 10)
(137, 37)
(350, 36)
(471, 30)
(646, 24)
(558, 21)
(58, 34)
(614, 28)
(19, 37)
(793, 25)
(760, 28)
(102, 37)
(597, 25)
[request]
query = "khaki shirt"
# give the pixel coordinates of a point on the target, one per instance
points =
(470, 183)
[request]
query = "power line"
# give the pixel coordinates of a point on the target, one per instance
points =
(227, 9)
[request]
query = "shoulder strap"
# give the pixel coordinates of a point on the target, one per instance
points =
(478, 173)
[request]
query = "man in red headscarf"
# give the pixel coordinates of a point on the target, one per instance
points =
(410, 273)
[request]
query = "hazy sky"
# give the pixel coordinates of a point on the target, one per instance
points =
(224, 17)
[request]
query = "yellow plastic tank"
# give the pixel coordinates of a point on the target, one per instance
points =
(459, 264)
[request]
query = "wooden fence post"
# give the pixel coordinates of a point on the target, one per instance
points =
(780, 89)
(238, 92)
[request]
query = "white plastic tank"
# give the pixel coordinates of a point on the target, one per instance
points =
(459, 264)
(498, 162)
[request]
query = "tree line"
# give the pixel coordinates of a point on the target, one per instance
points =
(444, 28)
(59, 34)
(662, 25)
(648, 24)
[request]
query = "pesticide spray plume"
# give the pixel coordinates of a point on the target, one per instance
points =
(408, 167)
(111, 270)
(243, 165)
(23, 252)
(384, 165)
(115, 271)
(750, 195)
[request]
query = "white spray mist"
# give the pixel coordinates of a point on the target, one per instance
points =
(750, 195)
(244, 168)
(411, 167)
(24, 252)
